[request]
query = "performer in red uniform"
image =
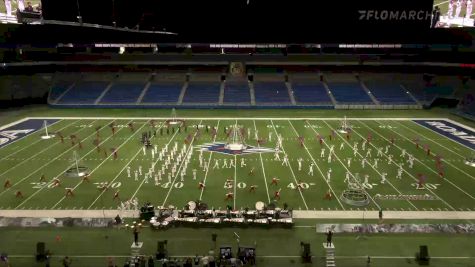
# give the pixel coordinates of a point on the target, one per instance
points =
(201, 185)
(275, 181)
(252, 188)
(116, 196)
(277, 194)
(69, 192)
(229, 196)
(18, 194)
(7, 184)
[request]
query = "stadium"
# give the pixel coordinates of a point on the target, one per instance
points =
(180, 133)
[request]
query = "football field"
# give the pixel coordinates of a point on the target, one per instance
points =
(420, 189)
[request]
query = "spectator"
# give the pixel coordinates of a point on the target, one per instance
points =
(151, 262)
(66, 261)
(197, 260)
(29, 7)
(38, 8)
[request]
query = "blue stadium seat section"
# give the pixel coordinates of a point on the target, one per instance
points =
(349, 93)
(84, 93)
(123, 93)
(271, 92)
(166, 92)
(389, 93)
(237, 92)
(427, 93)
(58, 89)
(202, 92)
(310, 92)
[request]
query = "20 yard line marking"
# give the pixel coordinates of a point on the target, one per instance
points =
(61, 173)
(319, 170)
(104, 161)
(290, 167)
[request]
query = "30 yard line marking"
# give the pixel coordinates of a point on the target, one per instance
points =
(352, 175)
(361, 156)
(290, 167)
(53, 160)
(430, 169)
(37, 141)
(31, 157)
(445, 202)
(262, 165)
(319, 170)
(209, 161)
(105, 160)
(120, 172)
(61, 173)
(179, 168)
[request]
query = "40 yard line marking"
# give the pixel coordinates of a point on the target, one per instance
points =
(143, 180)
(319, 170)
(262, 165)
(290, 167)
(104, 161)
(209, 160)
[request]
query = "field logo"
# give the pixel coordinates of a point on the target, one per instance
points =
(20, 130)
(459, 134)
(223, 149)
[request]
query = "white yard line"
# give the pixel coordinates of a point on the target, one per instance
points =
(290, 167)
(432, 153)
(61, 173)
(441, 3)
(352, 175)
(361, 156)
(445, 202)
(209, 161)
(49, 162)
(319, 170)
(34, 143)
(143, 180)
(429, 168)
(262, 165)
(32, 156)
(179, 168)
(120, 172)
(235, 175)
(103, 161)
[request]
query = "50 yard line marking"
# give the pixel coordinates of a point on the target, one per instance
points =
(53, 160)
(179, 168)
(61, 173)
(290, 167)
(104, 161)
(319, 170)
(34, 143)
(447, 180)
(209, 160)
(262, 164)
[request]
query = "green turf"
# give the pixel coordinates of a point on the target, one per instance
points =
(275, 247)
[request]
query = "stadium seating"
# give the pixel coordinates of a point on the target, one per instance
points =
(163, 92)
(272, 92)
(236, 92)
(389, 93)
(202, 92)
(83, 93)
(58, 89)
(123, 93)
(310, 92)
(349, 93)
